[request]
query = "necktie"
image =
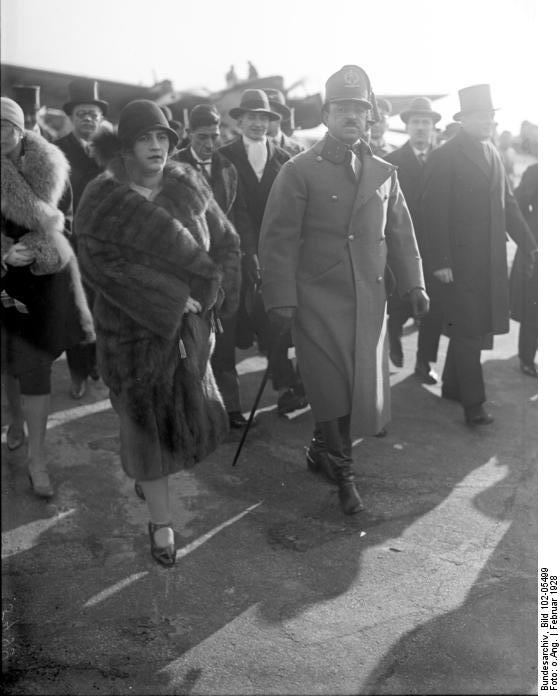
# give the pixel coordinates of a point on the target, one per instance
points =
(257, 155)
(204, 167)
(352, 163)
(422, 158)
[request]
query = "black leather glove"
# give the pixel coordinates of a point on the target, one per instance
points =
(281, 319)
(420, 302)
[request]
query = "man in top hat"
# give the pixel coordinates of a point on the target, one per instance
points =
(277, 102)
(466, 209)
(378, 127)
(29, 98)
(86, 112)
(221, 175)
(334, 219)
(258, 161)
(420, 120)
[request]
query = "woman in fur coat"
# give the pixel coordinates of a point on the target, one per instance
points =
(163, 261)
(44, 309)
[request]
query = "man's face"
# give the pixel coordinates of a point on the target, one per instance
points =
(421, 131)
(479, 124)
(254, 124)
(205, 141)
(30, 120)
(86, 119)
(273, 128)
(150, 151)
(10, 137)
(377, 129)
(346, 120)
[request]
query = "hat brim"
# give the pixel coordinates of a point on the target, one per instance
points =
(367, 104)
(279, 108)
(173, 137)
(237, 112)
(460, 114)
(69, 106)
(411, 112)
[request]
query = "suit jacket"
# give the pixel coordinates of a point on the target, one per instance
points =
(228, 193)
(466, 208)
(411, 176)
(325, 242)
(291, 146)
(83, 167)
(256, 192)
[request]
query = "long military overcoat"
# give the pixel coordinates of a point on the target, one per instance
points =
(466, 208)
(325, 242)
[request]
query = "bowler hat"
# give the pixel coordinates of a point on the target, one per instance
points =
(203, 115)
(277, 102)
(83, 90)
(28, 97)
(254, 100)
(420, 106)
(474, 98)
(350, 83)
(140, 116)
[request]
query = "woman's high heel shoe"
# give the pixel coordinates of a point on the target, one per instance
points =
(164, 555)
(40, 483)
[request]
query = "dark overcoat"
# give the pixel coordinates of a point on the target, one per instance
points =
(325, 242)
(466, 208)
(524, 288)
(83, 168)
(144, 259)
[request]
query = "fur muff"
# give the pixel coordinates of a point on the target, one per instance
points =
(30, 192)
(143, 260)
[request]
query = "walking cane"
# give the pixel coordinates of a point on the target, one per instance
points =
(253, 410)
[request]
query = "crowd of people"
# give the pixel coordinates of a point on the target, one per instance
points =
(151, 260)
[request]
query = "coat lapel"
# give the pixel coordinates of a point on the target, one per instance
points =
(244, 164)
(474, 152)
(272, 166)
(374, 173)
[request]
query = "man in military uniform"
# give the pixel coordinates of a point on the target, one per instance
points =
(378, 127)
(420, 120)
(86, 112)
(334, 218)
(277, 102)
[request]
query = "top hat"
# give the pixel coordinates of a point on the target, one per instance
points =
(83, 90)
(203, 115)
(28, 97)
(474, 98)
(140, 116)
(277, 102)
(350, 83)
(420, 106)
(254, 100)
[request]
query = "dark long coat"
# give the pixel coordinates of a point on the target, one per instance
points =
(325, 242)
(143, 260)
(83, 168)
(466, 208)
(524, 289)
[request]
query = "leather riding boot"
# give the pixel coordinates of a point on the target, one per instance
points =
(317, 458)
(350, 500)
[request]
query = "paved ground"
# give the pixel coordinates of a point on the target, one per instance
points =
(431, 591)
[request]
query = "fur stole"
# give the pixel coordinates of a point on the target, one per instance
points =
(147, 257)
(30, 191)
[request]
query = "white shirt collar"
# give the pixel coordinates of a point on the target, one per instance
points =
(197, 158)
(248, 142)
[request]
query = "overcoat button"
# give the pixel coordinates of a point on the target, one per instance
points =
(319, 158)
(350, 236)
(379, 279)
(334, 197)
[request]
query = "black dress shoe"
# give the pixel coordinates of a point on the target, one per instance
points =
(291, 400)
(476, 415)
(237, 420)
(396, 356)
(426, 373)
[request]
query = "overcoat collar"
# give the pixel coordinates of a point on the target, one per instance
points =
(271, 168)
(473, 149)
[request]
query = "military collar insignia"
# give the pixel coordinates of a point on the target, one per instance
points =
(335, 150)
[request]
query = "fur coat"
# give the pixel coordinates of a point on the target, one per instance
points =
(32, 189)
(144, 259)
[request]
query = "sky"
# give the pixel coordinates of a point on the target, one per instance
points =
(406, 46)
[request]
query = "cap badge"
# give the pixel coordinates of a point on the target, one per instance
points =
(351, 78)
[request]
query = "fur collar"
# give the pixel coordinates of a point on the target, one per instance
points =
(32, 187)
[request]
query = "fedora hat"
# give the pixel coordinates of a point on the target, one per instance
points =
(83, 90)
(277, 102)
(420, 106)
(474, 98)
(254, 100)
(28, 97)
(350, 83)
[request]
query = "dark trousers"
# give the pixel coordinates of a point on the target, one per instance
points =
(527, 342)
(223, 365)
(81, 360)
(462, 374)
(429, 332)
(334, 435)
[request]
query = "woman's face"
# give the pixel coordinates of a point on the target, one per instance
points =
(11, 137)
(150, 151)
